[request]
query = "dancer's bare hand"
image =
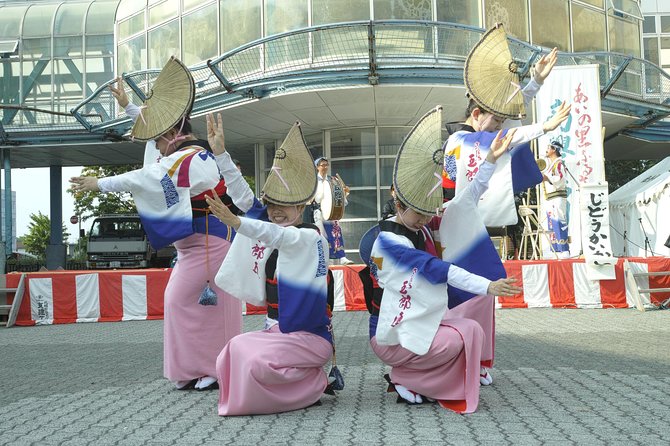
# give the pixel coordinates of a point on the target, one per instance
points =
(215, 136)
(221, 211)
(544, 66)
(119, 92)
(500, 145)
(504, 287)
(561, 115)
(84, 184)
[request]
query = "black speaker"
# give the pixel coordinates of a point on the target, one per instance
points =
(667, 242)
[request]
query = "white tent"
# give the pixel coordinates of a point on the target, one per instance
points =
(640, 214)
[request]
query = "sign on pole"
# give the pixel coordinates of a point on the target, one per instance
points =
(581, 137)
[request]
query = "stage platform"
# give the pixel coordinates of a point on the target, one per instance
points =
(62, 297)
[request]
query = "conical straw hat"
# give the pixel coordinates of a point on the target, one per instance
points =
(491, 77)
(292, 179)
(168, 101)
(417, 174)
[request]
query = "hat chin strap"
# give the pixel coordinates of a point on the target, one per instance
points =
(402, 219)
(291, 223)
(176, 139)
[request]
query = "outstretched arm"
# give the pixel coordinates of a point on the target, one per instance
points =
(116, 183)
(527, 133)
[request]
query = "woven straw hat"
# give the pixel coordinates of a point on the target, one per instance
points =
(417, 174)
(491, 77)
(292, 179)
(169, 100)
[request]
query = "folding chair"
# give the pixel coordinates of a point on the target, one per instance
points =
(532, 230)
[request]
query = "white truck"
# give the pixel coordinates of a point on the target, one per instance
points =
(119, 241)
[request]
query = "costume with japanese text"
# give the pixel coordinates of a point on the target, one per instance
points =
(428, 329)
(168, 195)
(279, 368)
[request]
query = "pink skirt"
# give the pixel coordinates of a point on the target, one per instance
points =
(448, 372)
(482, 310)
(267, 371)
(195, 334)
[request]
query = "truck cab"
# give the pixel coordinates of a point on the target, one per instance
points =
(119, 241)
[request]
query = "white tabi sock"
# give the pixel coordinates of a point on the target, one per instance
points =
(204, 382)
(485, 378)
(407, 394)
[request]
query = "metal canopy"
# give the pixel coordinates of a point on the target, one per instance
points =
(369, 73)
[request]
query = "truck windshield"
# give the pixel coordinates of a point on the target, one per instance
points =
(127, 229)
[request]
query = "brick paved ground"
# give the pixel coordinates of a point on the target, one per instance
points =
(592, 377)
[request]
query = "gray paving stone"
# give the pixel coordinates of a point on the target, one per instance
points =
(562, 377)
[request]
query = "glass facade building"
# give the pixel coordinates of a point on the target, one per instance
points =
(656, 32)
(53, 55)
(148, 31)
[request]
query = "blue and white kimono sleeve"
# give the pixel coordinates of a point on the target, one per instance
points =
(465, 239)
(162, 192)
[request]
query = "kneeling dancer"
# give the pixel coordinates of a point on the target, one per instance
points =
(433, 355)
(280, 263)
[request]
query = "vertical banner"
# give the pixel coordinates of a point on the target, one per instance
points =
(596, 239)
(582, 155)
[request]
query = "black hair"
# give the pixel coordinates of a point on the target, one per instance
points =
(184, 129)
(471, 107)
(557, 146)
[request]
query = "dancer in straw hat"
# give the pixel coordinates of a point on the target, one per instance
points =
(493, 86)
(170, 200)
(434, 355)
(277, 261)
(496, 101)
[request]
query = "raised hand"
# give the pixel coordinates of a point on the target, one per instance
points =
(215, 135)
(544, 66)
(500, 145)
(561, 115)
(119, 92)
(504, 287)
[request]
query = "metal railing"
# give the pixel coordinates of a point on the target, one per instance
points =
(371, 52)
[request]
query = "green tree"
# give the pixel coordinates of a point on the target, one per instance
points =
(620, 172)
(94, 204)
(39, 233)
(80, 249)
(251, 181)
